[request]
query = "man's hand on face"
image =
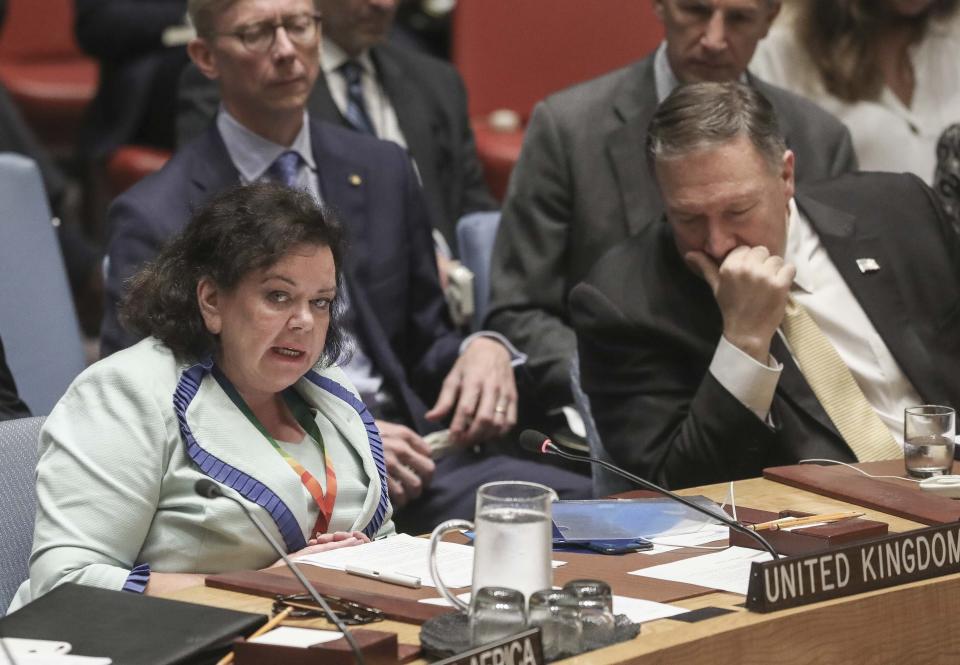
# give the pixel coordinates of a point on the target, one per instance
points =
(751, 287)
(481, 391)
(409, 466)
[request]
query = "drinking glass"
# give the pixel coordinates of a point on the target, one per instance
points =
(591, 589)
(597, 623)
(928, 440)
(496, 612)
(555, 612)
(513, 540)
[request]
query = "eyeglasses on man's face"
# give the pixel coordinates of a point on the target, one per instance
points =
(301, 29)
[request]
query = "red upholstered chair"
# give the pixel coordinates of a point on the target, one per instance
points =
(44, 70)
(513, 53)
(129, 163)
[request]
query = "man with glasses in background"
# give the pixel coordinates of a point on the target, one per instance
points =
(374, 86)
(264, 54)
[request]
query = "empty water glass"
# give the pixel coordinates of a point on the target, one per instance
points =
(597, 623)
(496, 612)
(590, 589)
(555, 612)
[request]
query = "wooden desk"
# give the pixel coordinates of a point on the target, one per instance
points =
(907, 624)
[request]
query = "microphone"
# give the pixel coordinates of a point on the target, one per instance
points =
(211, 490)
(537, 442)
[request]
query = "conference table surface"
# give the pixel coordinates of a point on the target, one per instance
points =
(911, 623)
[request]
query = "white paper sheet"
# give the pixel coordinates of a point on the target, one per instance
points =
(290, 636)
(54, 659)
(708, 534)
(404, 554)
(728, 570)
(640, 610)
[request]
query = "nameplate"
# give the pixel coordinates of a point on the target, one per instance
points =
(876, 564)
(524, 648)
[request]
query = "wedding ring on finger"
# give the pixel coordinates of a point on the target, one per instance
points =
(502, 407)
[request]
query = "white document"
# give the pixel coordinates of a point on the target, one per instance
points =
(43, 652)
(707, 534)
(728, 570)
(644, 610)
(404, 554)
(289, 636)
(53, 659)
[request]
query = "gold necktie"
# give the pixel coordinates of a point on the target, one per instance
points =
(835, 387)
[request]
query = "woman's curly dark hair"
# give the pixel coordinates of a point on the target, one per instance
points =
(241, 230)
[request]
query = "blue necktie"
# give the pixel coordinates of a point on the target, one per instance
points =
(357, 115)
(284, 168)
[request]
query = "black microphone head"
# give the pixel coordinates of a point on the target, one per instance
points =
(207, 488)
(532, 441)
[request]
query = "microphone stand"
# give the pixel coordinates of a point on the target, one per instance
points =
(550, 447)
(211, 490)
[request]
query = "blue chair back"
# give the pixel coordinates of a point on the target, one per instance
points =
(476, 234)
(605, 483)
(18, 443)
(38, 323)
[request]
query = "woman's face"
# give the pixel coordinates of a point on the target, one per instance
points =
(909, 8)
(273, 325)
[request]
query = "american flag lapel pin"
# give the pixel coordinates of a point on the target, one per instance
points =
(868, 265)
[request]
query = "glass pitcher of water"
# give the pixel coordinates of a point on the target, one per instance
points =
(512, 542)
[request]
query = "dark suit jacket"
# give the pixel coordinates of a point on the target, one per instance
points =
(582, 185)
(431, 105)
(391, 273)
(648, 328)
(135, 100)
(11, 406)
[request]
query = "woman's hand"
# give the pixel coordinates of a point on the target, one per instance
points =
(328, 541)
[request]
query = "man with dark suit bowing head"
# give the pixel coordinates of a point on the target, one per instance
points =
(581, 184)
(264, 55)
(754, 327)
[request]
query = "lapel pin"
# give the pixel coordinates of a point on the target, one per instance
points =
(868, 265)
(355, 180)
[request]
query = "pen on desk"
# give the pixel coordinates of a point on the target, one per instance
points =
(790, 522)
(385, 576)
(268, 626)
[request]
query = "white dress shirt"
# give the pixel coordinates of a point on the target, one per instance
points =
(819, 287)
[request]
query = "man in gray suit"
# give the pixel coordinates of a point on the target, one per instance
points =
(582, 184)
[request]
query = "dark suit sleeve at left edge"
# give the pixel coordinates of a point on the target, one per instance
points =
(11, 406)
(659, 412)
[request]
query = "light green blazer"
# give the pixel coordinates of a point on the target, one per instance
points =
(115, 477)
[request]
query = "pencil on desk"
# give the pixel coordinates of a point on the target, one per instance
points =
(268, 626)
(790, 522)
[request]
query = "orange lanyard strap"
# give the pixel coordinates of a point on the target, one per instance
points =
(324, 500)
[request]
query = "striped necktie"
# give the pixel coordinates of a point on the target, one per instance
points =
(285, 168)
(357, 114)
(836, 389)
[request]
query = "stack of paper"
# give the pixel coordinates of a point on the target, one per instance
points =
(728, 570)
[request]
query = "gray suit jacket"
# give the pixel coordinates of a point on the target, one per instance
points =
(431, 106)
(582, 185)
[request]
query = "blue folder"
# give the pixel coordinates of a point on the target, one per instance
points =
(627, 519)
